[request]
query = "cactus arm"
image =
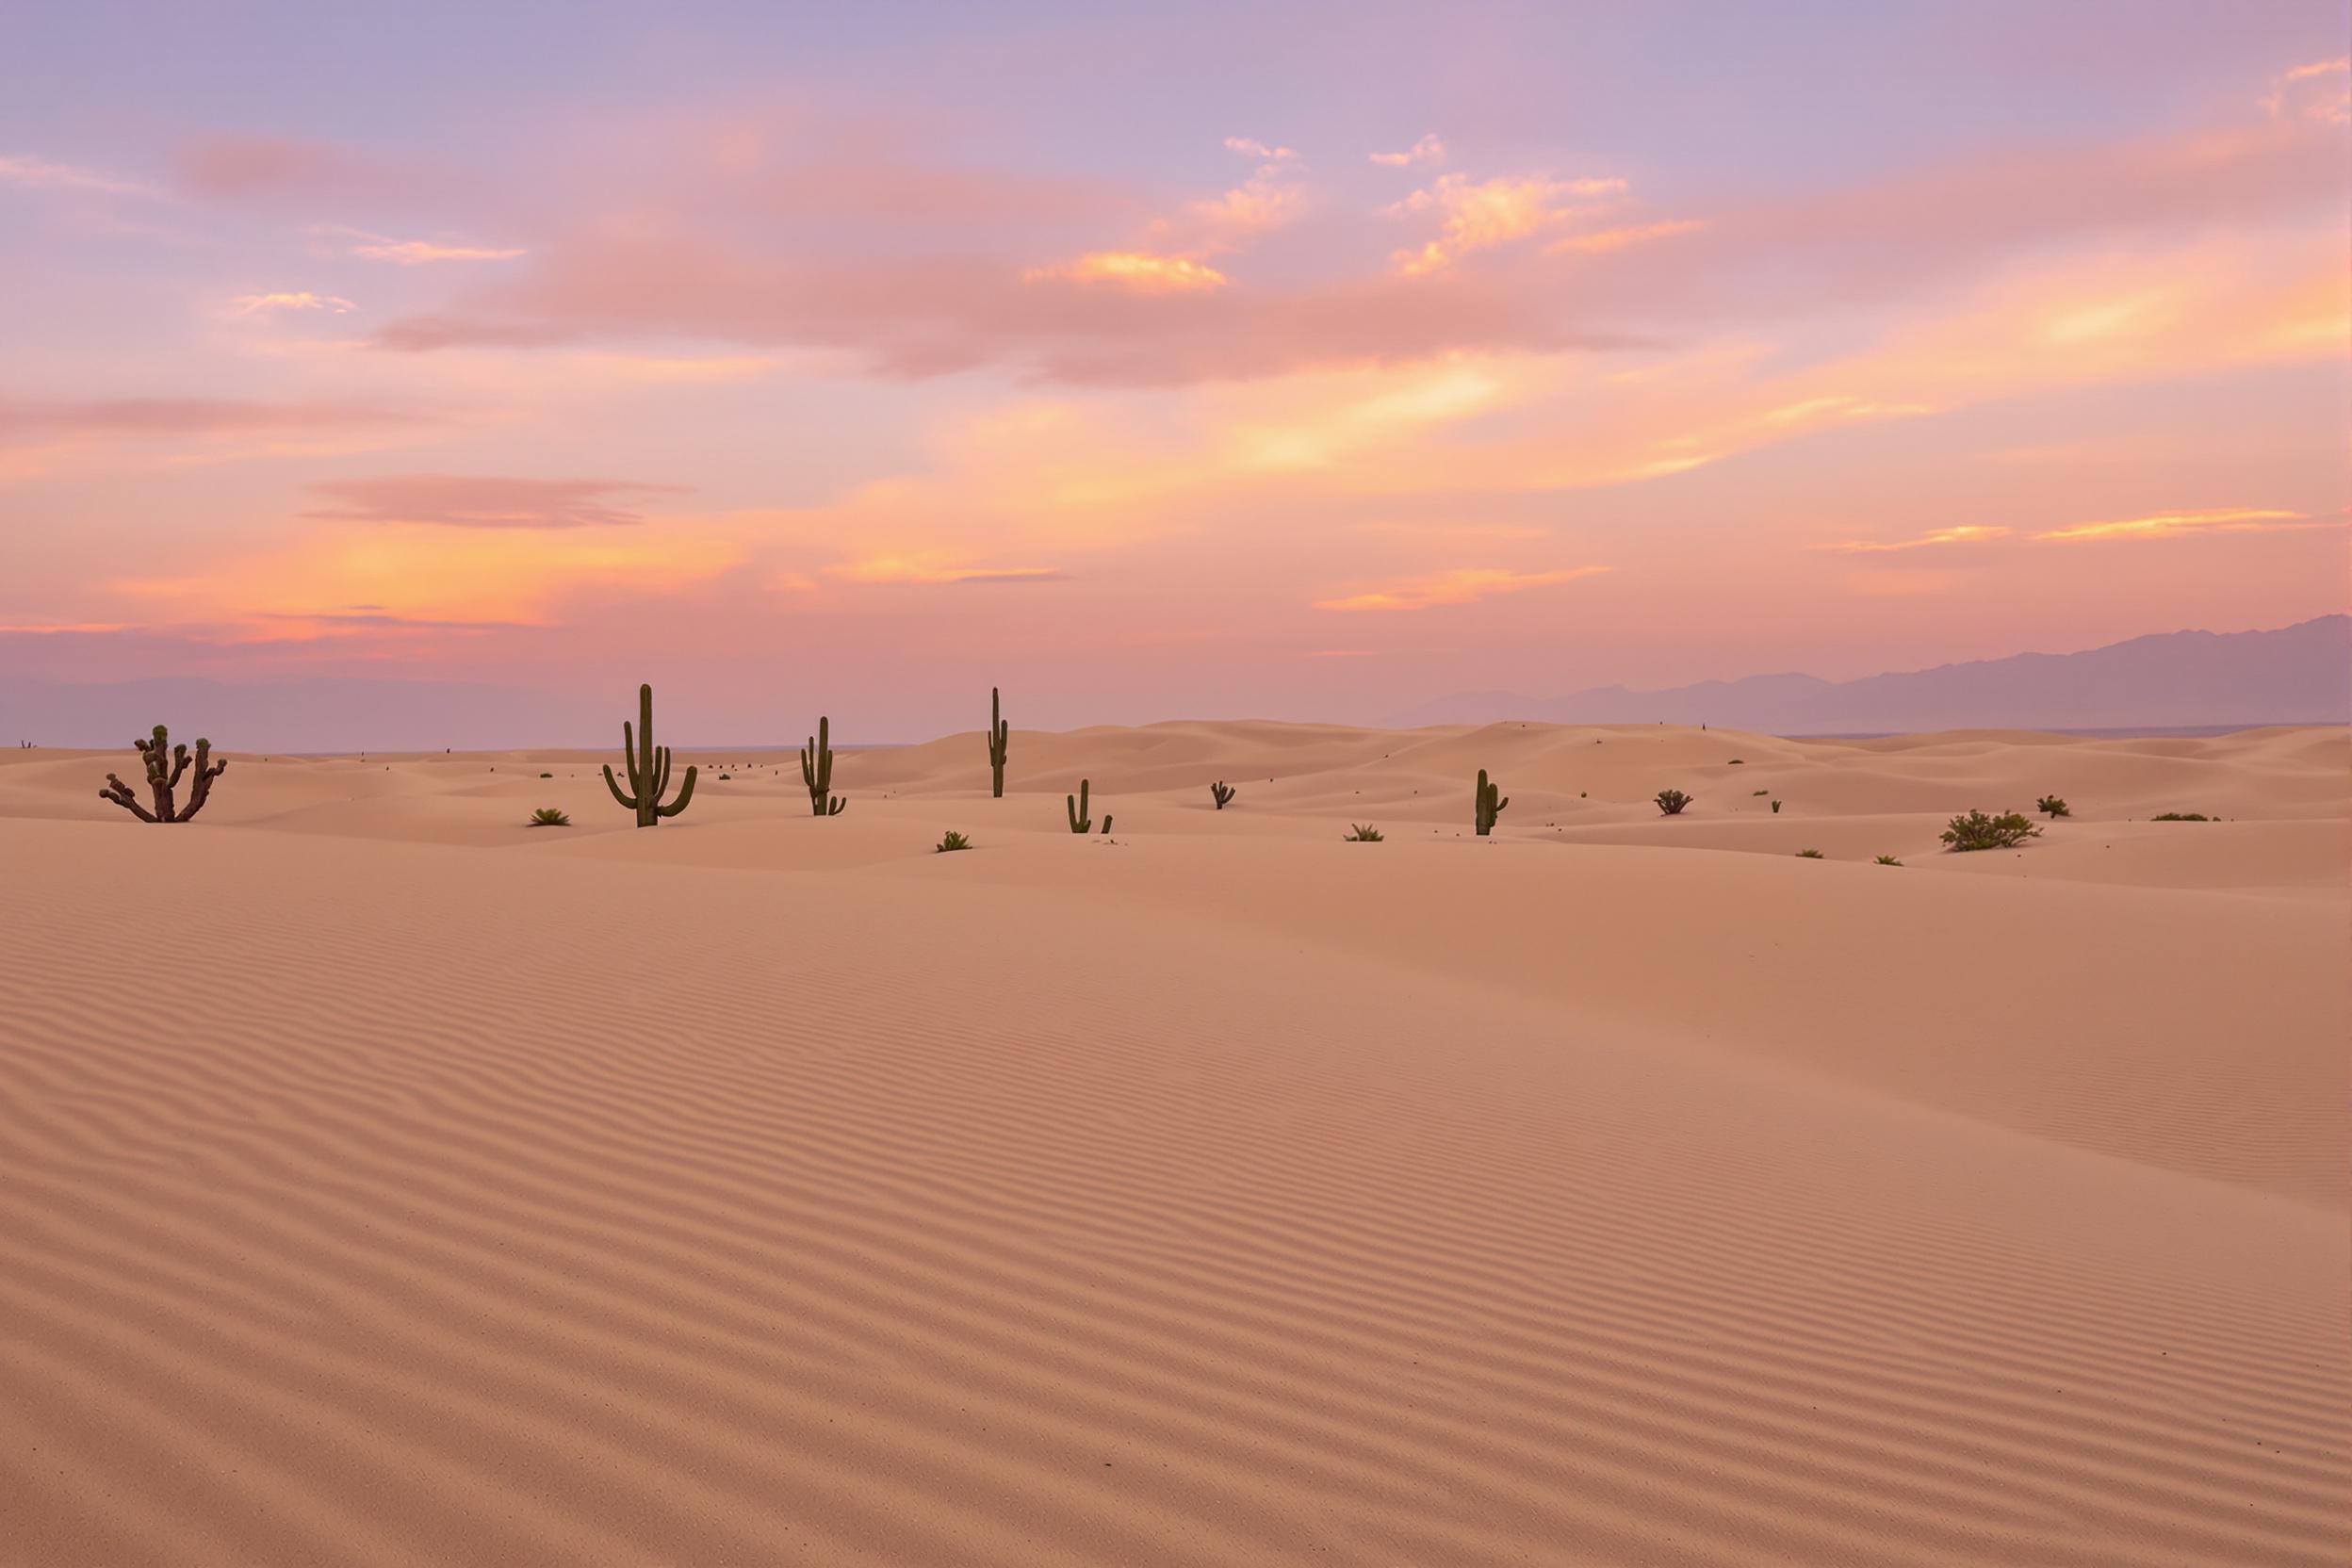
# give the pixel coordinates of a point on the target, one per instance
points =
(179, 766)
(1106, 824)
(685, 793)
(612, 784)
(206, 771)
(120, 793)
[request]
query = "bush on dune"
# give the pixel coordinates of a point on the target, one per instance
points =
(1978, 831)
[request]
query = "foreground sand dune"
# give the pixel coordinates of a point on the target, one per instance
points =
(388, 1183)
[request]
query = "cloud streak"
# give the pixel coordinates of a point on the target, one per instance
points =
(1463, 586)
(451, 500)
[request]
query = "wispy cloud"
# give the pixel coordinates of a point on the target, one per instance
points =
(2312, 91)
(1427, 150)
(260, 305)
(1601, 241)
(1969, 533)
(22, 169)
(413, 252)
(461, 501)
(165, 417)
(1136, 270)
(933, 570)
(2172, 525)
(1463, 586)
(1481, 215)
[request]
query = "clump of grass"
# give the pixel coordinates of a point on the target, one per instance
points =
(1361, 833)
(2181, 816)
(1978, 831)
(951, 840)
(2052, 805)
(548, 816)
(1671, 802)
(1887, 860)
(1810, 855)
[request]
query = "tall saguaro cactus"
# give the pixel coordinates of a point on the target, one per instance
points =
(649, 768)
(1489, 805)
(166, 763)
(1081, 812)
(1000, 740)
(816, 770)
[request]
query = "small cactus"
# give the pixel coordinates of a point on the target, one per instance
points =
(1490, 803)
(1361, 833)
(1809, 855)
(648, 769)
(816, 770)
(1671, 802)
(1000, 740)
(2052, 806)
(548, 816)
(1775, 808)
(1887, 860)
(951, 840)
(166, 763)
(1081, 818)
(1221, 792)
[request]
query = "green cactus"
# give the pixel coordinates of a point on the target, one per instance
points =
(1080, 819)
(649, 768)
(166, 764)
(1491, 801)
(816, 770)
(1221, 792)
(1000, 740)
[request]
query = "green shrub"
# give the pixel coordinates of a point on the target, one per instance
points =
(951, 841)
(1361, 833)
(1887, 860)
(2181, 816)
(1671, 802)
(548, 816)
(2052, 805)
(1978, 831)
(1810, 855)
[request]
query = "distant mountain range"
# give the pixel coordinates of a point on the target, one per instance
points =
(2299, 674)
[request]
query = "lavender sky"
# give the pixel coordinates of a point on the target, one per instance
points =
(1291, 361)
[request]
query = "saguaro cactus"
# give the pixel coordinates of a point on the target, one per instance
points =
(1081, 817)
(1220, 793)
(816, 770)
(649, 768)
(1000, 738)
(165, 765)
(1490, 804)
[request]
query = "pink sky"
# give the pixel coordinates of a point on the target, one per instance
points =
(1301, 364)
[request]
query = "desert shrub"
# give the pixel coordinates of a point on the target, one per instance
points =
(1810, 855)
(1754, 792)
(548, 816)
(1775, 808)
(1978, 831)
(1671, 802)
(951, 840)
(2181, 816)
(2052, 805)
(546, 775)
(1739, 762)
(1361, 833)
(1887, 860)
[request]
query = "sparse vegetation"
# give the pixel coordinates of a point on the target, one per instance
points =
(546, 775)
(1082, 810)
(1810, 855)
(166, 764)
(1739, 762)
(951, 840)
(1361, 833)
(649, 768)
(1000, 740)
(1978, 831)
(1671, 802)
(1221, 792)
(1887, 860)
(1775, 808)
(1754, 792)
(2051, 806)
(816, 770)
(548, 816)
(1490, 804)
(2181, 816)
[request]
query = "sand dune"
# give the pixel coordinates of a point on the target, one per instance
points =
(387, 1183)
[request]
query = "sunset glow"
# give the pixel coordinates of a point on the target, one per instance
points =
(1586, 344)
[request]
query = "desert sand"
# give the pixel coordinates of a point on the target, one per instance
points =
(389, 1182)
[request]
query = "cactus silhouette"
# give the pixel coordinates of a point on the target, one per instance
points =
(816, 770)
(1491, 802)
(1080, 822)
(1670, 802)
(649, 768)
(1221, 792)
(1000, 740)
(166, 763)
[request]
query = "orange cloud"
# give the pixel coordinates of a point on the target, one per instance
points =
(1427, 150)
(1463, 586)
(2170, 525)
(931, 570)
(1135, 271)
(1604, 240)
(1490, 213)
(1971, 533)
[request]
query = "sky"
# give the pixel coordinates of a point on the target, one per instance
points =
(1304, 362)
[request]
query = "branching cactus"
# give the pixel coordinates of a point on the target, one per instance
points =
(166, 764)
(649, 768)
(1221, 793)
(1490, 804)
(1081, 820)
(1671, 802)
(1000, 740)
(816, 770)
